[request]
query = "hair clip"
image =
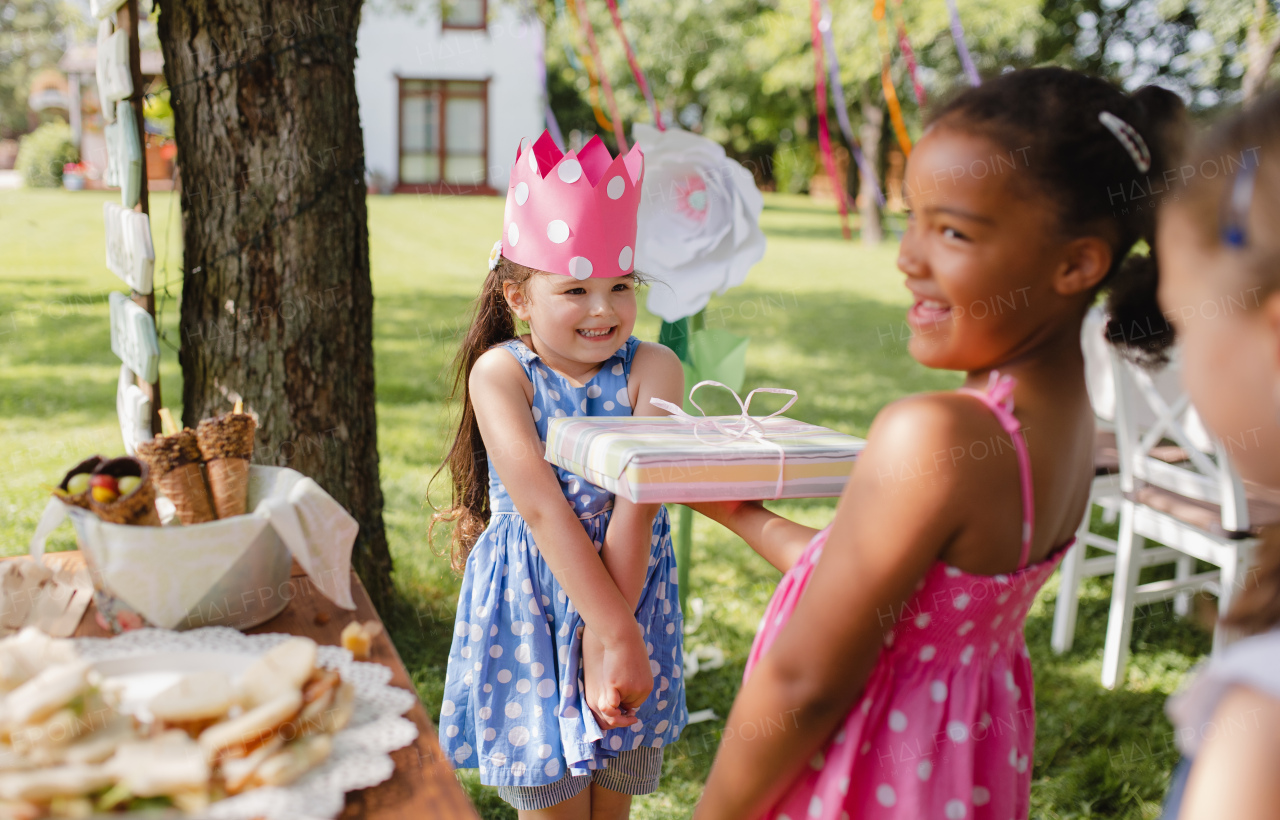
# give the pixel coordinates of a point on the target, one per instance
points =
(1129, 138)
(495, 255)
(1236, 207)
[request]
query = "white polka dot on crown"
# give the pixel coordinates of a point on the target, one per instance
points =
(616, 188)
(557, 231)
(570, 170)
(624, 259)
(533, 162)
(522, 193)
(579, 267)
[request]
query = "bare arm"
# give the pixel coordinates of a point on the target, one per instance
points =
(778, 540)
(498, 386)
(1234, 774)
(881, 543)
(655, 372)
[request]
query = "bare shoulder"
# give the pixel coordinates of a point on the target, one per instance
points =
(656, 359)
(497, 369)
(927, 421)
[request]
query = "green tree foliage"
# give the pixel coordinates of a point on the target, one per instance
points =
(43, 152)
(33, 36)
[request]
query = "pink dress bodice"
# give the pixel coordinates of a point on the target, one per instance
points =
(945, 726)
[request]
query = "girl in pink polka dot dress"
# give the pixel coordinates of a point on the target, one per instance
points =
(889, 677)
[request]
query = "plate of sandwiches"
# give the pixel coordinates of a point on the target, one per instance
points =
(205, 723)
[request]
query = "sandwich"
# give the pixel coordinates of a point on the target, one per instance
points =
(193, 704)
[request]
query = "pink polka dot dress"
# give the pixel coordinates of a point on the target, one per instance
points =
(946, 725)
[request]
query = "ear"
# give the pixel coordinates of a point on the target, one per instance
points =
(517, 299)
(1086, 262)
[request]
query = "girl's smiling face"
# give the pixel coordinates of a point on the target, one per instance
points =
(984, 255)
(575, 324)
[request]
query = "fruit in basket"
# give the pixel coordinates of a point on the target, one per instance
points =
(128, 484)
(104, 488)
(78, 483)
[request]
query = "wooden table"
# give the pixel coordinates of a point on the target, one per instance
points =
(424, 785)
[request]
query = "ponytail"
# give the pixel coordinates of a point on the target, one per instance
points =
(467, 461)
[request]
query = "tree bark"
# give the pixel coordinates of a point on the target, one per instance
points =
(872, 126)
(277, 302)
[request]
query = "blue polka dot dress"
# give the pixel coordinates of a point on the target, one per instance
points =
(513, 702)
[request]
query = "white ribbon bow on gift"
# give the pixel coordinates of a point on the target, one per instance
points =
(734, 428)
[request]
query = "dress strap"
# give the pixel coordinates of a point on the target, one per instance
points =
(999, 397)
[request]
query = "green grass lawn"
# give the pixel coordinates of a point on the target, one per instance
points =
(825, 317)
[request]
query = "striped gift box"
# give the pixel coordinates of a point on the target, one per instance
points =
(659, 459)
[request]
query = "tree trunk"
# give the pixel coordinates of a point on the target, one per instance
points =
(872, 126)
(277, 303)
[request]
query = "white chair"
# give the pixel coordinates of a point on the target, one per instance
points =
(1105, 491)
(1197, 507)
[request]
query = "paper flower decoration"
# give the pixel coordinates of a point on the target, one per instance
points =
(699, 221)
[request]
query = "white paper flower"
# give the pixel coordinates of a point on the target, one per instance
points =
(495, 254)
(699, 221)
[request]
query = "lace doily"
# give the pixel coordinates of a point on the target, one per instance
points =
(361, 751)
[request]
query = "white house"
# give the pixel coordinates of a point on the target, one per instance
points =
(445, 100)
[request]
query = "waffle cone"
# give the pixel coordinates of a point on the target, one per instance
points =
(79, 499)
(229, 481)
(184, 486)
(138, 508)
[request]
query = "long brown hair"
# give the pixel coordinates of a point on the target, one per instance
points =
(492, 323)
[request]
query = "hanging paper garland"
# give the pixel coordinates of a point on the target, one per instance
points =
(585, 64)
(842, 112)
(957, 34)
(618, 132)
(886, 81)
(553, 126)
(824, 136)
(910, 55)
(635, 65)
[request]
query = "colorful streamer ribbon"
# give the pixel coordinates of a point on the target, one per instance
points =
(553, 126)
(910, 55)
(842, 108)
(957, 34)
(824, 135)
(635, 65)
(619, 132)
(886, 81)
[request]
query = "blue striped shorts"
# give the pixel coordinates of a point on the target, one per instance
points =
(634, 772)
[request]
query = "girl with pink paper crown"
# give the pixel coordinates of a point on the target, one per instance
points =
(564, 681)
(892, 652)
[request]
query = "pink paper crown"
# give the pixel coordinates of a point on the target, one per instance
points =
(573, 213)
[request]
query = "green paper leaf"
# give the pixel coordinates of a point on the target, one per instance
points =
(717, 355)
